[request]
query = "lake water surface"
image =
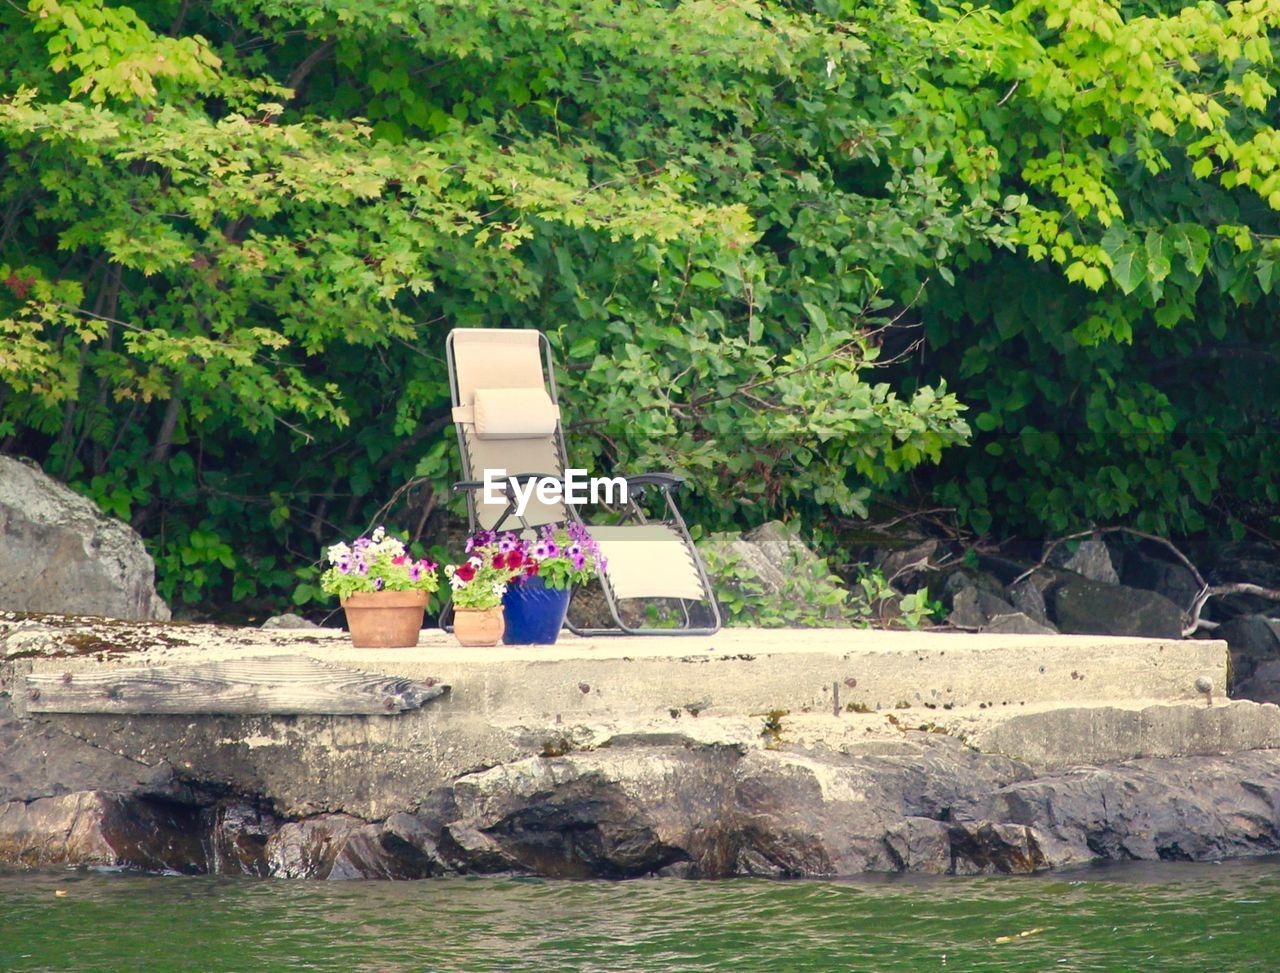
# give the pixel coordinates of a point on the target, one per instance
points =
(1154, 918)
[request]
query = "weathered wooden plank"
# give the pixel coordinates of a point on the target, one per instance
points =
(271, 685)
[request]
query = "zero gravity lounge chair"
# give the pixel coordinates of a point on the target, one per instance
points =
(507, 416)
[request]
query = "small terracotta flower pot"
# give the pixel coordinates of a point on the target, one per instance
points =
(478, 626)
(385, 619)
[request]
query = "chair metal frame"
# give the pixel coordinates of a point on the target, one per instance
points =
(637, 484)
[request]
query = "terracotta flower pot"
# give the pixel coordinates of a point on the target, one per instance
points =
(478, 626)
(385, 619)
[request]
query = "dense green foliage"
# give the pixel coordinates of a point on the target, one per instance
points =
(1122, 362)
(233, 236)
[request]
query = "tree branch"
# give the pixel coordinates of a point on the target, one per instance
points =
(308, 65)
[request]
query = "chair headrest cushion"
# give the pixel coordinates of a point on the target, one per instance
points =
(514, 413)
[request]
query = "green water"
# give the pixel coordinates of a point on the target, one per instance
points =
(1167, 917)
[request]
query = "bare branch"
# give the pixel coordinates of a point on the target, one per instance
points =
(1094, 531)
(1211, 591)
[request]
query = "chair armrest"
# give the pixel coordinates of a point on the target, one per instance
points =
(505, 482)
(664, 481)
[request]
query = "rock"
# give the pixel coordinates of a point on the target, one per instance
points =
(99, 828)
(1168, 809)
(817, 814)
(1027, 598)
(63, 555)
(1165, 577)
(707, 812)
(973, 609)
(772, 557)
(1081, 606)
(38, 761)
(1250, 561)
(702, 811)
(309, 848)
(288, 620)
(906, 567)
(963, 579)
(1262, 685)
(375, 851)
(1017, 623)
(606, 814)
(1253, 639)
(470, 851)
(340, 846)
(238, 833)
(984, 848)
(1092, 560)
(1008, 566)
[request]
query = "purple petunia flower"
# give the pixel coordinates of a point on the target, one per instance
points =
(377, 584)
(415, 572)
(579, 562)
(541, 550)
(508, 542)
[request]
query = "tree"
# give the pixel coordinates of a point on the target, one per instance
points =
(234, 237)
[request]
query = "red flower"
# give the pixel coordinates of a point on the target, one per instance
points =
(531, 569)
(514, 560)
(499, 561)
(465, 571)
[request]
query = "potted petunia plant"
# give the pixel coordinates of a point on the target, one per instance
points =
(477, 586)
(383, 590)
(544, 567)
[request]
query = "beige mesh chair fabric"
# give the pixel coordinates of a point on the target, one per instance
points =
(503, 383)
(649, 561)
(484, 360)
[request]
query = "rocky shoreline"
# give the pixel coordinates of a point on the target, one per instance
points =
(925, 804)
(712, 761)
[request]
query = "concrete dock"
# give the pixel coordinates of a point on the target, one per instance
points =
(1057, 700)
(750, 752)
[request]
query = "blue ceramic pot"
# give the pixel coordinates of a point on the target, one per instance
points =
(534, 612)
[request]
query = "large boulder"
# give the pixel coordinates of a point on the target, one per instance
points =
(1174, 580)
(1028, 597)
(973, 608)
(62, 555)
(1084, 607)
(338, 846)
(1091, 558)
(101, 828)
